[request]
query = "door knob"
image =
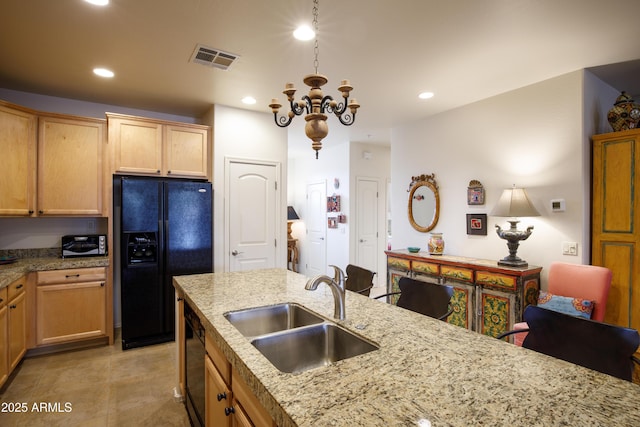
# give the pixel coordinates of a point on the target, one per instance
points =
(234, 253)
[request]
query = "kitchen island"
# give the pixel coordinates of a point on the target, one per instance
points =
(426, 372)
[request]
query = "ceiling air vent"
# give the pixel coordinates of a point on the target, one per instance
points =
(213, 57)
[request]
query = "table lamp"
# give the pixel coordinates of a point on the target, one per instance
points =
(291, 216)
(514, 203)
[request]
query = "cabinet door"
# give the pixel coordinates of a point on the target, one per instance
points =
(17, 162)
(69, 312)
(17, 329)
(217, 397)
(4, 344)
(70, 160)
(186, 151)
(463, 305)
(137, 145)
(497, 315)
(615, 222)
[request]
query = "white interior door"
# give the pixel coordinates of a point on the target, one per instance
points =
(316, 222)
(252, 216)
(367, 224)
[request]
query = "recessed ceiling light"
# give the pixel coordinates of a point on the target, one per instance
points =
(426, 95)
(103, 72)
(250, 100)
(98, 2)
(304, 33)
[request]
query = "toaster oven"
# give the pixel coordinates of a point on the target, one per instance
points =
(84, 246)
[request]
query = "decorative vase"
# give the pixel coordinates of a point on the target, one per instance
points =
(436, 244)
(625, 113)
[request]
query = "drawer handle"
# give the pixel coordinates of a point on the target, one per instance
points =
(101, 283)
(13, 306)
(68, 276)
(229, 411)
(19, 286)
(222, 396)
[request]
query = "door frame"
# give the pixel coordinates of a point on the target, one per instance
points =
(358, 210)
(281, 242)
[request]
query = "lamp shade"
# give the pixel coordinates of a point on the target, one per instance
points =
(514, 203)
(292, 215)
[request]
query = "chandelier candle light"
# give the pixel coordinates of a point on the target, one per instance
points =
(315, 104)
(514, 203)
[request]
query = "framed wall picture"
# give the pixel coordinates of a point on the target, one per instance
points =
(477, 224)
(333, 203)
(475, 193)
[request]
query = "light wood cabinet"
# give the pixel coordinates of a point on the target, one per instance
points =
(145, 146)
(615, 233)
(4, 337)
(70, 165)
(487, 298)
(18, 160)
(229, 401)
(70, 305)
(13, 327)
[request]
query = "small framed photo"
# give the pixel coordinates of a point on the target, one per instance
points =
(477, 224)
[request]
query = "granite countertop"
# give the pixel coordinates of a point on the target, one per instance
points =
(426, 372)
(14, 271)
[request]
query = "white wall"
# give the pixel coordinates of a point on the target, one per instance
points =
(332, 164)
(244, 134)
(376, 167)
(531, 137)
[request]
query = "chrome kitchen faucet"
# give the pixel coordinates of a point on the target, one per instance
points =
(337, 286)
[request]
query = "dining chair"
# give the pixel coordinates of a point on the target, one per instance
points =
(596, 345)
(426, 298)
(359, 279)
(588, 282)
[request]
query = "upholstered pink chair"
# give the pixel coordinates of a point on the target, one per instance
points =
(590, 282)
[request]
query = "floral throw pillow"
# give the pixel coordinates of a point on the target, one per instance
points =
(572, 306)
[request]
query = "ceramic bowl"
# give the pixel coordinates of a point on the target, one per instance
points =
(413, 249)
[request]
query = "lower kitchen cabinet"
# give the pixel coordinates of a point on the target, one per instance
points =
(487, 298)
(70, 305)
(229, 401)
(13, 327)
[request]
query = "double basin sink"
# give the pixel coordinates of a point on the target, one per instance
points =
(295, 339)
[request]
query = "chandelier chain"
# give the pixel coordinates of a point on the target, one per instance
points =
(316, 49)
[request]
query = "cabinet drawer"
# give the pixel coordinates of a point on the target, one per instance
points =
(426, 267)
(457, 273)
(218, 358)
(4, 296)
(16, 288)
(398, 264)
(72, 275)
(495, 280)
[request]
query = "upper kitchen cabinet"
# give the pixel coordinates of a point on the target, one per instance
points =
(18, 161)
(70, 165)
(143, 146)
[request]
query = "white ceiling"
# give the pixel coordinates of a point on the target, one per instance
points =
(463, 50)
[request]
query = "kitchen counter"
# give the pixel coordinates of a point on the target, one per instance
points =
(14, 271)
(429, 373)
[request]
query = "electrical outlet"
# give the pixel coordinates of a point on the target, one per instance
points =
(570, 248)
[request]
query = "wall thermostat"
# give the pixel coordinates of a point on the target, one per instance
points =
(557, 205)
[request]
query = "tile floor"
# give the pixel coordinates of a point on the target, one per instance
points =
(101, 386)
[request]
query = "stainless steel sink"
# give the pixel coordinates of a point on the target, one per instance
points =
(309, 347)
(253, 322)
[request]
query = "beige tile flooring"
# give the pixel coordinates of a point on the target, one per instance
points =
(104, 386)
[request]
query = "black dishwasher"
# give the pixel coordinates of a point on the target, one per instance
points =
(194, 366)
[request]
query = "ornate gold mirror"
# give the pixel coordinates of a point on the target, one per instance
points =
(424, 202)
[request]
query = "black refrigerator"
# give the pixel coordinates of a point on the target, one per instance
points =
(164, 230)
